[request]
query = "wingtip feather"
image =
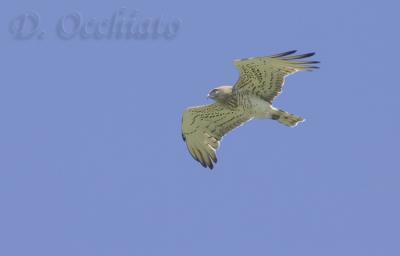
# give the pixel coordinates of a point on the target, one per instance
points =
(301, 56)
(282, 54)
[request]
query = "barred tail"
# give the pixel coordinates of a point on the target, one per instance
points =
(286, 118)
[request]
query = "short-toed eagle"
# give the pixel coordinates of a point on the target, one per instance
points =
(260, 82)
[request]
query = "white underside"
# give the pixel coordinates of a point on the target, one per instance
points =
(262, 109)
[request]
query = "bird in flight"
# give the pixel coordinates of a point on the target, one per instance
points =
(260, 82)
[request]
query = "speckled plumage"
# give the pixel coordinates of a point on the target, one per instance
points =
(260, 82)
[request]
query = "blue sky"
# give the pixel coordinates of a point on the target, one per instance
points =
(91, 156)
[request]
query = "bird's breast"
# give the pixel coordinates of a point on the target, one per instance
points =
(259, 107)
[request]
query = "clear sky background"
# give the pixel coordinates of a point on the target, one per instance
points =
(91, 157)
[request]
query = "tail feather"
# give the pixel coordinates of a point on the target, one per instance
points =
(286, 118)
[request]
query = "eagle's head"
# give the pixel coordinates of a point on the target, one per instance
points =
(220, 93)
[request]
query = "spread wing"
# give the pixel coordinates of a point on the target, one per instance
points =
(203, 128)
(265, 76)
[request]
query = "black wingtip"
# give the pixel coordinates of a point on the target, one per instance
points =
(307, 62)
(210, 162)
(203, 164)
(302, 56)
(213, 158)
(308, 55)
(283, 54)
(311, 68)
